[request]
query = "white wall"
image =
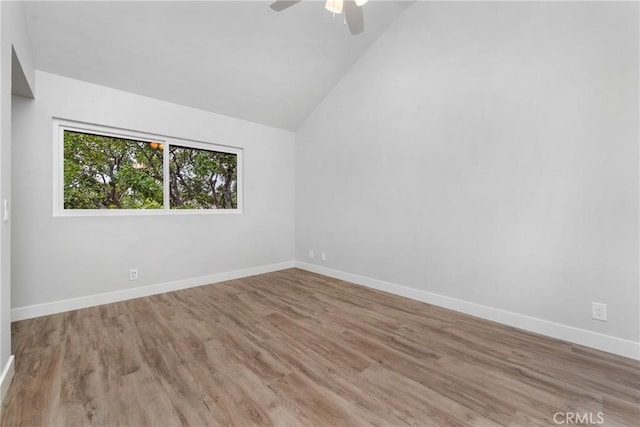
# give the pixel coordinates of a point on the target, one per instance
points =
(486, 152)
(57, 258)
(13, 38)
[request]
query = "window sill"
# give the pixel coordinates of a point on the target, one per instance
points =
(143, 212)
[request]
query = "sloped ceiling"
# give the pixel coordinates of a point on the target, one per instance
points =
(237, 58)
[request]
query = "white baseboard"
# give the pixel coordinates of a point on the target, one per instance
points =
(31, 311)
(571, 334)
(6, 377)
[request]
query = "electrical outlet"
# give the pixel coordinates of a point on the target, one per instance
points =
(323, 256)
(599, 311)
(311, 254)
(133, 274)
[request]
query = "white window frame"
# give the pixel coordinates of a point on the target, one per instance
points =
(62, 125)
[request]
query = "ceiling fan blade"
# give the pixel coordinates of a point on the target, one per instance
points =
(353, 15)
(279, 5)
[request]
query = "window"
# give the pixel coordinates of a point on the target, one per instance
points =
(104, 172)
(109, 171)
(202, 179)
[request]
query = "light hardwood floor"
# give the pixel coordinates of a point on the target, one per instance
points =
(294, 348)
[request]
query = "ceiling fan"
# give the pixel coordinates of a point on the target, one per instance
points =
(352, 11)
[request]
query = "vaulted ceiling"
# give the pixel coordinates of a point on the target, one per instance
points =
(237, 58)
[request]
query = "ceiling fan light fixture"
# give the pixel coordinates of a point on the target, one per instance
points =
(360, 2)
(335, 6)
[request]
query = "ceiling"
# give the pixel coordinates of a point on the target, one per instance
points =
(237, 58)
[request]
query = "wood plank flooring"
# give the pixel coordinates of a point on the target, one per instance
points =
(294, 348)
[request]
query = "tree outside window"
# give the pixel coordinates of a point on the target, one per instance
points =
(106, 172)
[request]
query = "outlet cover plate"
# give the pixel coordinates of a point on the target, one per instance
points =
(599, 311)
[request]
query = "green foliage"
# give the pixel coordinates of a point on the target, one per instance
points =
(200, 179)
(102, 172)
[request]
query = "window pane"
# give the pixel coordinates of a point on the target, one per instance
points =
(202, 179)
(102, 172)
